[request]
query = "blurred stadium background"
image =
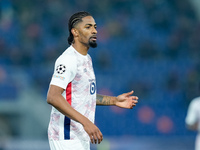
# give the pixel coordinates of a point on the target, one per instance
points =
(150, 46)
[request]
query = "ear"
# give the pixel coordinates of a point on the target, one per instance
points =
(74, 32)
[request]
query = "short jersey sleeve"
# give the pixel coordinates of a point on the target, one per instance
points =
(64, 71)
(192, 114)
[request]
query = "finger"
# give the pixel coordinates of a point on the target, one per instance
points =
(129, 93)
(100, 137)
(91, 139)
(135, 97)
(96, 136)
(133, 105)
(95, 139)
(134, 101)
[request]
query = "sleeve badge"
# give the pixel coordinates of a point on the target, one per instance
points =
(60, 69)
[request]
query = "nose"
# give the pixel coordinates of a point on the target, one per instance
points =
(94, 31)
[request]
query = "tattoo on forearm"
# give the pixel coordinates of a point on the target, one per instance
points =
(99, 99)
(103, 100)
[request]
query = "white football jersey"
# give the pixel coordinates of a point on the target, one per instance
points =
(74, 73)
(193, 116)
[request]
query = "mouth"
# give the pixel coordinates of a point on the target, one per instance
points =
(93, 38)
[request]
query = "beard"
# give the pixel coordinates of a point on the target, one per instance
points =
(92, 44)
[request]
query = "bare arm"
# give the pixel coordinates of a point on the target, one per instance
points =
(55, 98)
(192, 127)
(124, 100)
(105, 100)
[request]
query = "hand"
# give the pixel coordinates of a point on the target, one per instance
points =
(126, 100)
(93, 132)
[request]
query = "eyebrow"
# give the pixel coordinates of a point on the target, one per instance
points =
(90, 24)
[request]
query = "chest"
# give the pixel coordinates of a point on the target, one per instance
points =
(85, 73)
(84, 82)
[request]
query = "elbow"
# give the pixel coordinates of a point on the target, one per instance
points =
(191, 127)
(54, 95)
(50, 99)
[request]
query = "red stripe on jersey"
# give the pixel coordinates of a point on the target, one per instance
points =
(69, 93)
(67, 120)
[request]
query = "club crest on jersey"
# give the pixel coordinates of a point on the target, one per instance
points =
(60, 69)
(92, 86)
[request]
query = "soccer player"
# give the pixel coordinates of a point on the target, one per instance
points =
(72, 90)
(193, 119)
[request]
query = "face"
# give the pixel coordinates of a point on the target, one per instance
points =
(87, 33)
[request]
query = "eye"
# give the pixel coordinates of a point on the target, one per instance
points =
(87, 27)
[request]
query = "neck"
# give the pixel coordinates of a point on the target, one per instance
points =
(82, 49)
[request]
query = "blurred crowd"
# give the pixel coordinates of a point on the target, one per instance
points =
(150, 46)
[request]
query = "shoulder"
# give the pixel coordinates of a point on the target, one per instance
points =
(89, 57)
(67, 57)
(195, 103)
(195, 100)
